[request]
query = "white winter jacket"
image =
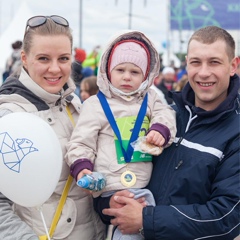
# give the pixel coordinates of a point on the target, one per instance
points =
(78, 219)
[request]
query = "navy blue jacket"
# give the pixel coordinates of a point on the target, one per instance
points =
(196, 181)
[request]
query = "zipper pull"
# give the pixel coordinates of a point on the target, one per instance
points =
(179, 141)
(179, 164)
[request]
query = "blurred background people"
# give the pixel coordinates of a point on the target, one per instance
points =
(92, 59)
(166, 85)
(179, 85)
(76, 73)
(88, 87)
(156, 83)
(79, 54)
(182, 70)
(14, 61)
(161, 64)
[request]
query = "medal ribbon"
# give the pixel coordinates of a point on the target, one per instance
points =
(141, 114)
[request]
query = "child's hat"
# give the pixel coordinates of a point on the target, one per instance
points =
(131, 51)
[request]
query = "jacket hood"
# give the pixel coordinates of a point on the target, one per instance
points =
(102, 79)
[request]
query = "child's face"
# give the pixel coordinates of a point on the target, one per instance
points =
(127, 77)
(84, 91)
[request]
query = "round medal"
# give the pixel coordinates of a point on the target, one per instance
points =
(128, 178)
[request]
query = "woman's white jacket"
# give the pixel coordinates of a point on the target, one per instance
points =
(78, 219)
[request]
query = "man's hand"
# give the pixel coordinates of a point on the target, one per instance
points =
(127, 194)
(128, 217)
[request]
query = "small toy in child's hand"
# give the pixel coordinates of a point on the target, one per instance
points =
(141, 145)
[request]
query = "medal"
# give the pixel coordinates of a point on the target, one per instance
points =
(128, 178)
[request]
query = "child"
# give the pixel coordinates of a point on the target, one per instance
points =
(127, 69)
(88, 87)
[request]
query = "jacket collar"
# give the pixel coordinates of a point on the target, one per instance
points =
(27, 88)
(187, 96)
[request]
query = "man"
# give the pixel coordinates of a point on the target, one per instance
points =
(195, 182)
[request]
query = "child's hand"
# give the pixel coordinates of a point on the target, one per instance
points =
(155, 138)
(82, 173)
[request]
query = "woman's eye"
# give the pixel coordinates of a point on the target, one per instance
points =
(64, 58)
(42, 58)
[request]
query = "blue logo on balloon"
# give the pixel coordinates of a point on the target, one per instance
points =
(13, 152)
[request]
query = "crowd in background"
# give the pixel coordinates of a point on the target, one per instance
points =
(85, 65)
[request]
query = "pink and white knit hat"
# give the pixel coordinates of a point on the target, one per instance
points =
(131, 51)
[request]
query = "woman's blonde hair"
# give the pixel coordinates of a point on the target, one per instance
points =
(46, 29)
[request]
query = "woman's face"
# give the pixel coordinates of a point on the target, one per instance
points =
(49, 61)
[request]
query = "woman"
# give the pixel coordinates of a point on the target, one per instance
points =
(43, 87)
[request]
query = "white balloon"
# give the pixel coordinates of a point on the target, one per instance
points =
(30, 159)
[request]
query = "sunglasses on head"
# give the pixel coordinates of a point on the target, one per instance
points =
(37, 21)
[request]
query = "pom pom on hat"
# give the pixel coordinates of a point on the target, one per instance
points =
(130, 51)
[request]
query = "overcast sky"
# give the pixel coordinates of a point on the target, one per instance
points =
(100, 18)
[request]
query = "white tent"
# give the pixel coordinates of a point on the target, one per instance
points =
(14, 32)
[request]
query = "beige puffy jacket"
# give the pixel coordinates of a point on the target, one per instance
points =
(78, 220)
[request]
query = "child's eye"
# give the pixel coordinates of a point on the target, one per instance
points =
(136, 72)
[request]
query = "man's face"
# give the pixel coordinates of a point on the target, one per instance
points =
(209, 69)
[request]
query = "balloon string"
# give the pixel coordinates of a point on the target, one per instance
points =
(44, 223)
